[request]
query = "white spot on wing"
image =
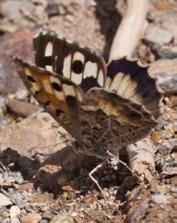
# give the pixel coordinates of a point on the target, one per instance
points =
(130, 91)
(59, 95)
(48, 49)
(107, 83)
(68, 90)
(126, 80)
(79, 95)
(116, 82)
(49, 68)
(136, 98)
(54, 79)
(28, 72)
(76, 78)
(100, 78)
(90, 69)
(67, 66)
(34, 88)
(79, 56)
(47, 86)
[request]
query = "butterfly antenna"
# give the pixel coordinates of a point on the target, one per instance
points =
(116, 158)
(94, 180)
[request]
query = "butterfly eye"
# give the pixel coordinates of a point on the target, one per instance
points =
(77, 67)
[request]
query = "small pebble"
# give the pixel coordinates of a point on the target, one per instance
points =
(11, 8)
(158, 35)
(31, 218)
(2, 103)
(21, 94)
(62, 219)
(4, 201)
(14, 212)
(161, 199)
(174, 190)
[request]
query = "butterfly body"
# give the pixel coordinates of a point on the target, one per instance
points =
(104, 107)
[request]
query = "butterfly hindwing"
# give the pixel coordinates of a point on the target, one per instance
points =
(129, 121)
(70, 60)
(132, 81)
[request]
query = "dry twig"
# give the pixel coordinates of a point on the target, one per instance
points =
(130, 30)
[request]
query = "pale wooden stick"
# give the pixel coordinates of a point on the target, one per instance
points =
(141, 158)
(130, 29)
(141, 154)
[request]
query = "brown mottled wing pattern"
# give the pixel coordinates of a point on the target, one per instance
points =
(110, 122)
(58, 95)
(76, 63)
(103, 107)
(124, 111)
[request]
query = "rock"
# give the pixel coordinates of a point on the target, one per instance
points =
(21, 94)
(158, 35)
(8, 27)
(26, 187)
(42, 198)
(163, 66)
(2, 103)
(11, 8)
(17, 198)
(21, 108)
(52, 9)
(4, 201)
(2, 110)
(165, 70)
(156, 136)
(31, 218)
(62, 219)
(161, 199)
(14, 212)
(27, 134)
(174, 190)
(164, 51)
(47, 177)
(13, 44)
(166, 18)
(69, 18)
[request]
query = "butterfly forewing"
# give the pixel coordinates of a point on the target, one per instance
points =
(70, 60)
(57, 94)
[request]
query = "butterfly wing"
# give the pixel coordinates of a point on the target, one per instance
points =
(58, 95)
(124, 111)
(70, 60)
(102, 119)
(131, 80)
(110, 122)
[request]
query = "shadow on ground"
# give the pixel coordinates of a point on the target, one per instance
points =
(109, 19)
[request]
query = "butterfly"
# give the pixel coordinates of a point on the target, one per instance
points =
(103, 106)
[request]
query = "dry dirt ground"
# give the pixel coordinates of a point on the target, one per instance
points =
(42, 182)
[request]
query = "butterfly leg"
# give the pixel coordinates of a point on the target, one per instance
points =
(115, 161)
(94, 180)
